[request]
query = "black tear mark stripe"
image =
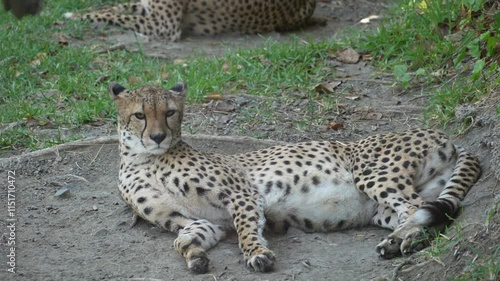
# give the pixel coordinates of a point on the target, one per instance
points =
(128, 122)
(145, 125)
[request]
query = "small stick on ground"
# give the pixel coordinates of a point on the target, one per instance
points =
(119, 46)
(97, 154)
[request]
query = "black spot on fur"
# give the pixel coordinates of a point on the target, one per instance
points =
(147, 210)
(201, 191)
(308, 224)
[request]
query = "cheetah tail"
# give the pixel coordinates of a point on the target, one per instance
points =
(447, 206)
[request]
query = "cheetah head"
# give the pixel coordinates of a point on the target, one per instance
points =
(149, 118)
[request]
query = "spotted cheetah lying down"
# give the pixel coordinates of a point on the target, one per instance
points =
(167, 19)
(405, 182)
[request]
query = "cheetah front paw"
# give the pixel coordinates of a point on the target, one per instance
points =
(262, 261)
(389, 248)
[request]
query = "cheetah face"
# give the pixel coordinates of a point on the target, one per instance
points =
(149, 118)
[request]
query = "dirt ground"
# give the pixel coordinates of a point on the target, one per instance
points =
(83, 233)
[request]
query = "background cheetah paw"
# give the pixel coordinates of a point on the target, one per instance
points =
(263, 262)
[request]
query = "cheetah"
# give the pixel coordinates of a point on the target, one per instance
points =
(168, 19)
(407, 182)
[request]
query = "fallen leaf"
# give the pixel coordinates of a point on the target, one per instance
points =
(367, 57)
(224, 106)
(165, 75)
(214, 96)
(101, 79)
(324, 87)
(348, 55)
(38, 59)
(369, 19)
(225, 67)
(334, 125)
(353, 98)
(133, 80)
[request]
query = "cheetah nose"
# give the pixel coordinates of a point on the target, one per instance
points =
(158, 138)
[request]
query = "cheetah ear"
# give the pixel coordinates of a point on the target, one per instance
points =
(115, 89)
(180, 89)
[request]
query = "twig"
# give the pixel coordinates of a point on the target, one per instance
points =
(76, 163)
(398, 268)
(97, 154)
(119, 46)
(417, 97)
(77, 177)
(61, 147)
(113, 140)
(367, 80)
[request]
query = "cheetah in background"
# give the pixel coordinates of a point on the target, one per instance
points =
(405, 182)
(168, 19)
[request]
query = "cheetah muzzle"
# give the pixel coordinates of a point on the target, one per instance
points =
(407, 182)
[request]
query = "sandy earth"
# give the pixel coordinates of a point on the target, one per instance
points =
(83, 234)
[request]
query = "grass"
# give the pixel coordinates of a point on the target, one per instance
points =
(447, 46)
(472, 247)
(47, 83)
(450, 47)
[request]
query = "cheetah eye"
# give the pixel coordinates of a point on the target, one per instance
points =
(139, 115)
(170, 113)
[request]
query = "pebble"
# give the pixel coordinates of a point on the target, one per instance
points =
(62, 193)
(101, 232)
(120, 223)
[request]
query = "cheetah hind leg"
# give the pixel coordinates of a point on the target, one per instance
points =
(193, 241)
(406, 240)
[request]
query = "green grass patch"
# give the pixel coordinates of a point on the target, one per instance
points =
(472, 247)
(451, 44)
